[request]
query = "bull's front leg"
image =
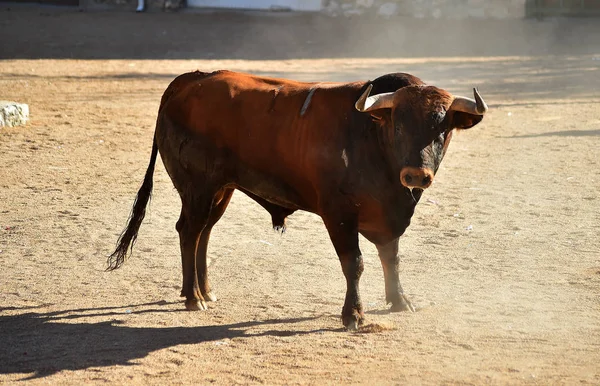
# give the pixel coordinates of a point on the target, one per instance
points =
(390, 260)
(344, 235)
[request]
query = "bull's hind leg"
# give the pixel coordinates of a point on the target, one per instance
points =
(195, 214)
(220, 202)
(388, 254)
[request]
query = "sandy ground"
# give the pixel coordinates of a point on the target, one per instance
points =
(502, 258)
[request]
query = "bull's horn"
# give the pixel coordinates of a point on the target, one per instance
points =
(380, 101)
(470, 106)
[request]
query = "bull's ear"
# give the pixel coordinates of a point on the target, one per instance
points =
(382, 118)
(464, 121)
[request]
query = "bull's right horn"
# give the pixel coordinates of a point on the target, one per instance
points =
(470, 106)
(369, 103)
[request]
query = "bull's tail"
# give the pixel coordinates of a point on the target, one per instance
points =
(129, 235)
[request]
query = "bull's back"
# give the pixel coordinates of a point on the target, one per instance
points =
(284, 130)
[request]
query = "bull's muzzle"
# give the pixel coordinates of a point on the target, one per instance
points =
(412, 177)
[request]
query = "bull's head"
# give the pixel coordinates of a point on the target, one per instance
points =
(419, 121)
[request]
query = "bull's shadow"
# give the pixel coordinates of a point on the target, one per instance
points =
(46, 343)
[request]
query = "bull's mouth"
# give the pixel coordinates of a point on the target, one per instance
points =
(416, 178)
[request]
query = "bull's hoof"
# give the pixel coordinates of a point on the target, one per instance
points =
(195, 305)
(210, 297)
(403, 304)
(352, 322)
(352, 325)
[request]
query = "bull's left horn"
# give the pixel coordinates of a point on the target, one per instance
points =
(369, 103)
(470, 106)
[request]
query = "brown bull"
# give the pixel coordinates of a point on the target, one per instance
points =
(359, 161)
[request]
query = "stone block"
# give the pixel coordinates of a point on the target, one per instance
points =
(13, 114)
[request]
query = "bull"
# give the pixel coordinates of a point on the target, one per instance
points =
(357, 154)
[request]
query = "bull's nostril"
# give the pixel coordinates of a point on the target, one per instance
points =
(426, 180)
(408, 178)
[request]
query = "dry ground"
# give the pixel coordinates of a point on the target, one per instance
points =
(502, 259)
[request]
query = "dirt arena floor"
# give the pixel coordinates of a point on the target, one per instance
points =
(502, 258)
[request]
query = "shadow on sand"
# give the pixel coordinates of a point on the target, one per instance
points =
(563, 133)
(46, 343)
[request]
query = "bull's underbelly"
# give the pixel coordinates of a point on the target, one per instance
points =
(270, 188)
